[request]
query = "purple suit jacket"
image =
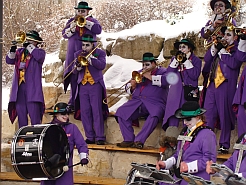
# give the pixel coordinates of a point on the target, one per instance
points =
(33, 80)
(202, 149)
(152, 96)
(175, 98)
(240, 95)
(98, 64)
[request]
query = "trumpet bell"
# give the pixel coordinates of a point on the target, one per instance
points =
(137, 76)
(20, 37)
(82, 60)
(80, 21)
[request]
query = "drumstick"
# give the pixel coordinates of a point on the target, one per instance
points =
(66, 168)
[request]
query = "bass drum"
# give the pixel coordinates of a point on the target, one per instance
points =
(40, 151)
(135, 177)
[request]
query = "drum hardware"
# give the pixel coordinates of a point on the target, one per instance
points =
(34, 156)
(66, 168)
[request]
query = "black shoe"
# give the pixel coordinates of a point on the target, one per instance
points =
(89, 141)
(100, 142)
(125, 144)
(138, 145)
(223, 150)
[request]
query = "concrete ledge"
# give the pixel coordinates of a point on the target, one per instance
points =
(78, 179)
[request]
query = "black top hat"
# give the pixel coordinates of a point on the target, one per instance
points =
(227, 3)
(87, 38)
(33, 35)
(189, 109)
(61, 108)
(83, 5)
(148, 57)
(186, 42)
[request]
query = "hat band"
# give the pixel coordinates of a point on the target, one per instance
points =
(60, 110)
(191, 113)
(83, 7)
(88, 39)
(148, 58)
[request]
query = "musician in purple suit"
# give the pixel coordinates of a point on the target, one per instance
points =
(91, 91)
(26, 95)
(73, 33)
(221, 87)
(61, 117)
(233, 160)
(191, 156)
(239, 100)
(148, 100)
(219, 8)
(219, 17)
(187, 67)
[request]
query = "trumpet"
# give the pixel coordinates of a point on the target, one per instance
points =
(180, 57)
(83, 60)
(240, 31)
(137, 76)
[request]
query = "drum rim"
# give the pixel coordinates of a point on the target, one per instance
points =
(40, 148)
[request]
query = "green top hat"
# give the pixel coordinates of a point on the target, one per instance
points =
(33, 35)
(83, 5)
(148, 57)
(189, 109)
(87, 38)
(61, 108)
(186, 42)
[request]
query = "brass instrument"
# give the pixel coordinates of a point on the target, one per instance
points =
(83, 60)
(137, 76)
(228, 16)
(180, 57)
(240, 31)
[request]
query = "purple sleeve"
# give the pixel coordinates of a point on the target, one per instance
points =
(39, 55)
(96, 28)
(194, 73)
(208, 146)
(79, 140)
(231, 61)
(229, 162)
(100, 62)
(67, 26)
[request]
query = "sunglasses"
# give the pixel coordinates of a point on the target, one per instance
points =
(64, 113)
(219, 5)
(147, 64)
(87, 45)
(188, 119)
(81, 11)
(182, 46)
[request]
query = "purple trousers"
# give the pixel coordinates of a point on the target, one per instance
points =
(91, 111)
(23, 108)
(73, 86)
(148, 127)
(219, 106)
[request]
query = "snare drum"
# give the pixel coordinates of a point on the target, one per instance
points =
(136, 177)
(40, 151)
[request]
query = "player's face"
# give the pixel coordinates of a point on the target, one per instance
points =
(62, 117)
(219, 7)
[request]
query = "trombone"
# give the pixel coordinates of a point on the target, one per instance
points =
(137, 76)
(83, 60)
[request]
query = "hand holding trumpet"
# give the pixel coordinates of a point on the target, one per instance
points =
(180, 57)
